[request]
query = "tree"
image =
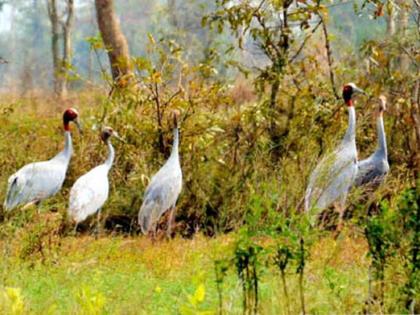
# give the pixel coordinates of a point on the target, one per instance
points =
(61, 64)
(273, 26)
(2, 3)
(114, 41)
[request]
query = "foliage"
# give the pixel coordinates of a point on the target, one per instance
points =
(248, 144)
(409, 217)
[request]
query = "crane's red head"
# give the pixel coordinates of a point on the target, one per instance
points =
(349, 90)
(106, 133)
(69, 115)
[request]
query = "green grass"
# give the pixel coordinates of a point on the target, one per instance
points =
(116, 275)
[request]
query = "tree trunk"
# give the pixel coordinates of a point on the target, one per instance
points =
(114, 41)
(390, 22)
(415, 98)
(53, 15)
(404, 60)
(60, 63)
(66, 60)
(172, 13)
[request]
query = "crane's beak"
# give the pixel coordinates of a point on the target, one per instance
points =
(78, 125)
(116, 135)
(357, 90)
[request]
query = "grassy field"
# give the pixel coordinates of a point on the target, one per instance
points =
(116, 275)
(229, 186)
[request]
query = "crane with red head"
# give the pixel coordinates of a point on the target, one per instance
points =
(335, 173)
(372, 171)
(37, 181)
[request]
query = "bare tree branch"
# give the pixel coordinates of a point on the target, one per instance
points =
(304, 42)
(329, 55)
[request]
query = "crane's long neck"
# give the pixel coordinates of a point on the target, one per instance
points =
(68, 146)
(111, 155)
(351, 129)
(174, 152)
(382, 149)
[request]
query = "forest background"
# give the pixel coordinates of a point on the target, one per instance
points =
(258, 84)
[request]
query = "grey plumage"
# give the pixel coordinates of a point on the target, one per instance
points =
(374, 169)
(335, 174)
(163, 191)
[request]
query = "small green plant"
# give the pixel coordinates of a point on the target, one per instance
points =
(282, 258)
(221, 267)
(246, 262)
(380, 236)
(409, 215)
(291, 248)
(300, 270)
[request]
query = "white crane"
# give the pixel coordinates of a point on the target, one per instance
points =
(373, 169)
(37, 181)
(334, 175)
(164, 188)
(90, 191)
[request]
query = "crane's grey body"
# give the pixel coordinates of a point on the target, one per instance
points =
(90, 191)
(40, 180)
(163, 190)
(373, 169)
(335, 174)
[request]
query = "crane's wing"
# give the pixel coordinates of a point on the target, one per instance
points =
(161, 194)
(331, 179)
(88, 194)
(33, 182)
(371, 171)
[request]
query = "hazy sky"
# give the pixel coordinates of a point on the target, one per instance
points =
(5, 18)
(7, 10)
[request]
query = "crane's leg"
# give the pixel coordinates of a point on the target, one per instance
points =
(341, 209)
(153, 231)
(170, 221)
(75, 229)
(98, 221)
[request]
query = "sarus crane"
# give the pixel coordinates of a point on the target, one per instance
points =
(40, 180)
(164, 188)
(90, 191)
(332, 178)
(372, 170)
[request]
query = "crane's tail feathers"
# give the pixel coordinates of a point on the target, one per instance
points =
(147, 216)
(12, 193)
